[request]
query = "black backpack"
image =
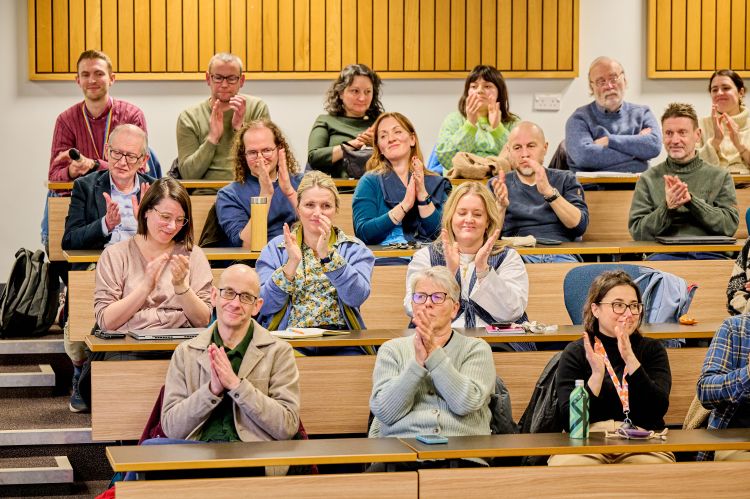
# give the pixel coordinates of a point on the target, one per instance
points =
(29, 302)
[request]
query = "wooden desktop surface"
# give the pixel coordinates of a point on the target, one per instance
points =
(376, 337)
(218, 184)
(543, 444)
(245, 454)
(574, 248)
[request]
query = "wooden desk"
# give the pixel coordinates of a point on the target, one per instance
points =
(544, 444)
(368, 337)
(376, 337)
(655, 247)
(247, 454)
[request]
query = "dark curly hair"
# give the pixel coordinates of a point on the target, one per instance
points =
(335, 106)
(241, 169)
(492, 75)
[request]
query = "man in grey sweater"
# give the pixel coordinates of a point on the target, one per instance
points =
(436, 381)
(683, 196)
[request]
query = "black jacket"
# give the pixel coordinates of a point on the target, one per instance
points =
(83, 225)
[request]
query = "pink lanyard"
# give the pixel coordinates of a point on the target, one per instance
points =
(622, 389)
(106, 128)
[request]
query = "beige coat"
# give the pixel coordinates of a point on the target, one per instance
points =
(727, 156)
(266, 403)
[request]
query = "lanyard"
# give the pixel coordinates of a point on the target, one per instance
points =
(106, 128)
(622, 389)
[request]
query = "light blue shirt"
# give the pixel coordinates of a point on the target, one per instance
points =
(128, 225)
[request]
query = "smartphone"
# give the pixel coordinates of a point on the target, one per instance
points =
(108, 335)
(501, 325)
(432, 439)
(548, 242)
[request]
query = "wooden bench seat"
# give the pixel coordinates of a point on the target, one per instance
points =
(335, 390)
(364, 485)
(718, 480)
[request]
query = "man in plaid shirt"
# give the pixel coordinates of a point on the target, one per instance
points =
(724, 384)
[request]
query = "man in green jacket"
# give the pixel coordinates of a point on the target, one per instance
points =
(683, 196)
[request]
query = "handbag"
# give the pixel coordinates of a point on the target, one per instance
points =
(355, 160)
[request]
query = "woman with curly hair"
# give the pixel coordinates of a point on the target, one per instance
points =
(353, 105)
(263, 166)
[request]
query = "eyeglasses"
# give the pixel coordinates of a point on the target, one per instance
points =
(619, 307)
(266, 153)
(612, 80)
(130, 158)
(229, 294)
(231, 79)
(166, 219)
(436, 298)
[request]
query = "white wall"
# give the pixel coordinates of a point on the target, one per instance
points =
(29, 108)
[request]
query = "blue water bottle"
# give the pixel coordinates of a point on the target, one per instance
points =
(579, 411)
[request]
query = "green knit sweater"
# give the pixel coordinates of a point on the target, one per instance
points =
(712, 210)
(328, 132)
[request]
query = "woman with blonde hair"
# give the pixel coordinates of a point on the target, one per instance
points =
(264, 166)
(397, 200)
(492, 276)
(314, 275)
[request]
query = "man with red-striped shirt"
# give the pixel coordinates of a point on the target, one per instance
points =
(86, 125)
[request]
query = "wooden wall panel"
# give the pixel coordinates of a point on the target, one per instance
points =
(693, 38)
(314, 39)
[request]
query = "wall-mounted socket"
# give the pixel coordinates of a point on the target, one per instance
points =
(547, 102)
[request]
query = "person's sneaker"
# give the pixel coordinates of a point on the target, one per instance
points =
(76, 402)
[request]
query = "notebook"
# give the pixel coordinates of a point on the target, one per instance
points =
(180, 333)
(696, 240)
(297, 333)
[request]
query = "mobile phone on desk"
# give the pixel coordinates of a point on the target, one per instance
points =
(430, 439)
(548, 242)
(108, 335)
(501, 325)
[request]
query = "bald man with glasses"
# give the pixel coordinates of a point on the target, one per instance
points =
(234, 381)
(205, 131)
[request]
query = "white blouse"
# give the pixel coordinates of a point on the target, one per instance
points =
(503, 293)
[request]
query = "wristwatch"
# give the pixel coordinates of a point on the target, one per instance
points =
(326, 259)
(555, 195)
(426, 201)
(96, 165)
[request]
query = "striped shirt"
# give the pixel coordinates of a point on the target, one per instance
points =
(71, 131)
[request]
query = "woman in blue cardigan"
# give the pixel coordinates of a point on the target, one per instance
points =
(314, 275)
(398, 200)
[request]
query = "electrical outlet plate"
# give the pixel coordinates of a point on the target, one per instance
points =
(547, 102)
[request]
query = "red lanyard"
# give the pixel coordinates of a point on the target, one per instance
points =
(106, 128)
(622, 389)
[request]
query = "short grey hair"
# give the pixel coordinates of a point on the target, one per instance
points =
(603, 59)
(441, 276)
(225, 57)
(133, 129)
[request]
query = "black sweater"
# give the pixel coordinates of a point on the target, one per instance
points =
(648, 386)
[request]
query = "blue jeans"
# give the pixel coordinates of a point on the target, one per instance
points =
(550, 258)
(45, 220)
